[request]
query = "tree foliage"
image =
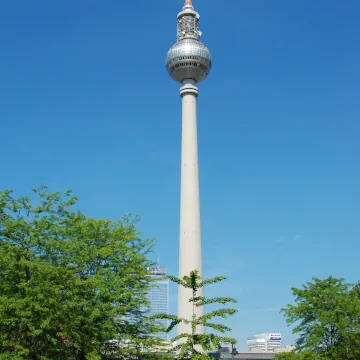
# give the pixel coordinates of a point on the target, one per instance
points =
(304, 355)
(194, 345)
(326, 316)
(71, 287)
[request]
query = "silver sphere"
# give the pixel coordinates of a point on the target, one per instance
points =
(188, 59)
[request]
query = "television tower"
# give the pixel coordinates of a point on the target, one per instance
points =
(189, 62)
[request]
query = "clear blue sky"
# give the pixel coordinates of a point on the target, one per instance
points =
(86, 103)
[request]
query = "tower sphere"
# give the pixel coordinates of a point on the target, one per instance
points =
(188, 58)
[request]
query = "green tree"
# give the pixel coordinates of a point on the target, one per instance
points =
(349, 343)
(304, 355)
(194, 345)
(71, 287)
(326, 318)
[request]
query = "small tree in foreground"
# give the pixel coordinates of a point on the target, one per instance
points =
(194, 345)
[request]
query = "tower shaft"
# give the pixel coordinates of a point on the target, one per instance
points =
(190, 230)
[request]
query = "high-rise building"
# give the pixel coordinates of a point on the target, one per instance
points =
(264, 342)
(189, 62)
(158, 296)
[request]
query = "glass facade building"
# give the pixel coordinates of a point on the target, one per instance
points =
(158, 297)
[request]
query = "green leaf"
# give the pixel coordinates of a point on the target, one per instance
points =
(70, 285)
(325, 316)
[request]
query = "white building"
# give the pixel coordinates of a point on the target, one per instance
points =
(267, 342)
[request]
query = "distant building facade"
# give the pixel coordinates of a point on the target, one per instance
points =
(266, 342)
(261, 347)
(158, 296)
(256, 353)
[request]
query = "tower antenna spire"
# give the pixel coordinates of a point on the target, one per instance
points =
(188, 2)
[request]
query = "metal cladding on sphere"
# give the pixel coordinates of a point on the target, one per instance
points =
(188, 58)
